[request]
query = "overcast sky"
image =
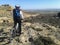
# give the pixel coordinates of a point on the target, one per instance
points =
(33, 4)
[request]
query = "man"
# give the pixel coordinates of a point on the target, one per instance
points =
(17, 17)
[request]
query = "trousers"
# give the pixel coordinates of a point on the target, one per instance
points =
(19, 26)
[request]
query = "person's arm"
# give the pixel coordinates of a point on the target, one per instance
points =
(21, 15)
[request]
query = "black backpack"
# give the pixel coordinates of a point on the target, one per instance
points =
(15, 15)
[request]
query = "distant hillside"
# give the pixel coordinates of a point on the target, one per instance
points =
(6, 7)
(43, 11)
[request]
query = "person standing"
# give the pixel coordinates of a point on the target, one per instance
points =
(17, 17)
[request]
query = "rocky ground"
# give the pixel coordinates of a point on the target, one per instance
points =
(37, 29)
(36, 33)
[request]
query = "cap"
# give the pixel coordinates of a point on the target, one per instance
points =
(17, 6)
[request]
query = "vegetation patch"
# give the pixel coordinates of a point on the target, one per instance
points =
(37, 29)
(44, 41)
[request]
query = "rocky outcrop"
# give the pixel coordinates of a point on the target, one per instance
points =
(36, 30)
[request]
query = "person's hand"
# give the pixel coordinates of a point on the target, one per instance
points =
(22, 21)
(22, 18)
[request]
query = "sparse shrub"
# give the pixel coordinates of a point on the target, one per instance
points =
(37, 29)
(1, 30)
(32, 27)
(45, 25)
(49, 28)
(46, 19)
(3, 21)
(43, 41)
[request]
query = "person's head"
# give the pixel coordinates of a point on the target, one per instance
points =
(17, 6)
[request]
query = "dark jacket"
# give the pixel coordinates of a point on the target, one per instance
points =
(17, 14)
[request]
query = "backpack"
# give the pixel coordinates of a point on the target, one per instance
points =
(16, 13)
